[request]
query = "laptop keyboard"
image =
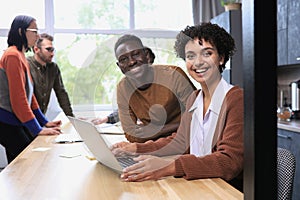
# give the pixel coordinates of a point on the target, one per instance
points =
(126, 161)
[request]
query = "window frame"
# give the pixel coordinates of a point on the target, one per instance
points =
(50, 29)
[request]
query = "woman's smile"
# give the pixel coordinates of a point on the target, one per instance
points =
(201, 70)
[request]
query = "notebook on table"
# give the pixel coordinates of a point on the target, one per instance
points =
(98, 147)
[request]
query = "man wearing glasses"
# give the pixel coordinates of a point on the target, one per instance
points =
(46, 75)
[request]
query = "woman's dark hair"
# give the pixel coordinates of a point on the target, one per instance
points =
(212, 33)
(17, 38)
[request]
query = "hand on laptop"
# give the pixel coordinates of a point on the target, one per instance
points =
(50, 131)
(149, 168)
(53, 124)
(123, 148)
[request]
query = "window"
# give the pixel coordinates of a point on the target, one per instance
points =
(13, 8)
(85, 32)
(86, 14)
(163, 14)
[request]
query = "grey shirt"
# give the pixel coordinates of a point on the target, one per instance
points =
(45, 78)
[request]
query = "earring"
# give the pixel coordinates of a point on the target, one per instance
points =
(221, 63)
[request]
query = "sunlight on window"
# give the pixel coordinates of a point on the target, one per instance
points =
(85, 56)
(97, 14)
(12, 8)
(164, 14)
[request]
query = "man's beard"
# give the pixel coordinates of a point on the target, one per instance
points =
(44, 58)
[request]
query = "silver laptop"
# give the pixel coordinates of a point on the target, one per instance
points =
(98, 147)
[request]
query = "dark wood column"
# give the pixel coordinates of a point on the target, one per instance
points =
(260, 83)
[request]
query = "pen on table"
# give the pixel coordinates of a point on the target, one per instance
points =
(63, 142)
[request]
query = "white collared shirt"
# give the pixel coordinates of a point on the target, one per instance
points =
(203, 128)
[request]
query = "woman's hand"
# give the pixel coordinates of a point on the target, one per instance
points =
(149, 168)
(53, 124)
(50, 131)
(123, 148)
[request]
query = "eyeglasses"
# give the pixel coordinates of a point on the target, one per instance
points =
(50, 49)
(32, 30)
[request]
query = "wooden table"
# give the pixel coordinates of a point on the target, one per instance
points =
(46, 170)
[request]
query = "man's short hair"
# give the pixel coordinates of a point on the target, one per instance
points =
(126, 38)
(42, 37)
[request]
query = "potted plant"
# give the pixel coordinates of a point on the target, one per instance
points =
(231, 4)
